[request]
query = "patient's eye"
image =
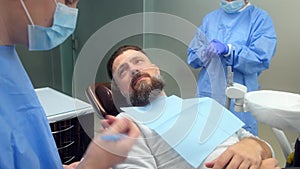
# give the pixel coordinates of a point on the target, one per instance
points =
(138, 61)
(122, 71)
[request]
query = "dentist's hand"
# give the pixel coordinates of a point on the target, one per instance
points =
(104, 153)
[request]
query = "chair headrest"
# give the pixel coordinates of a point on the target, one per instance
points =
(105, 97)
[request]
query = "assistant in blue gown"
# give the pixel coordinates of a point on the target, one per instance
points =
(252, 37)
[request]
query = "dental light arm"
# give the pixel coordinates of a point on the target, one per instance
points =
(229, 84)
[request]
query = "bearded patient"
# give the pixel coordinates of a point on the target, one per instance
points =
(140, 82)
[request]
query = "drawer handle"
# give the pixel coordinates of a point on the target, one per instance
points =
(66, 146)
(60, 131)
(69, 160)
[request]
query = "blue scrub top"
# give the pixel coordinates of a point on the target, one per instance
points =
(26, 141)
(251, 33)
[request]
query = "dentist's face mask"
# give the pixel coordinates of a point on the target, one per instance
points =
(233, 6)
(45, 38)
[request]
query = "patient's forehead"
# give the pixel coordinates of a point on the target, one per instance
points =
(127, 57)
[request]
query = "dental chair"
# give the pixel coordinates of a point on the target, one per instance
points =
(101, 98)
(281, 111)
(277, 109)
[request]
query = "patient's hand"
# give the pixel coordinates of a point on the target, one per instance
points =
(270, 163)
(248, 153)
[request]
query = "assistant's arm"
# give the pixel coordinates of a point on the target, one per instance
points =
(196, 49)
(256, 55)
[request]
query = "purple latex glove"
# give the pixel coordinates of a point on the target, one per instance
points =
(218, 47)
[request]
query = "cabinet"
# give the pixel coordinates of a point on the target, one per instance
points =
(71, 140)
(66, 116)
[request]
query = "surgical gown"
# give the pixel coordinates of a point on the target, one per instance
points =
(252, 36)
(26, 141)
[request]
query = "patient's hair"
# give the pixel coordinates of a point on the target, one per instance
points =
(118, 52)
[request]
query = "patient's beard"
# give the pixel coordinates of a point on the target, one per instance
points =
(146, 92)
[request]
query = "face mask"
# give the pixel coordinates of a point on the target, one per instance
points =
(232, 7)
(45, 38)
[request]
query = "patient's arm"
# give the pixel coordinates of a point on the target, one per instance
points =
(247, 153)
(140, 155)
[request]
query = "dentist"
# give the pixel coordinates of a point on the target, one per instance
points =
(26, 140)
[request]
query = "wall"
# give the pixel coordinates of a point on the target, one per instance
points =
(283, 72)
(43, 67)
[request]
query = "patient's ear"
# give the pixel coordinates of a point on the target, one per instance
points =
(157, 68)
(115, 87)
(118, 97)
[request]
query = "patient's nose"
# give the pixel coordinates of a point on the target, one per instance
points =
(134, 72)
